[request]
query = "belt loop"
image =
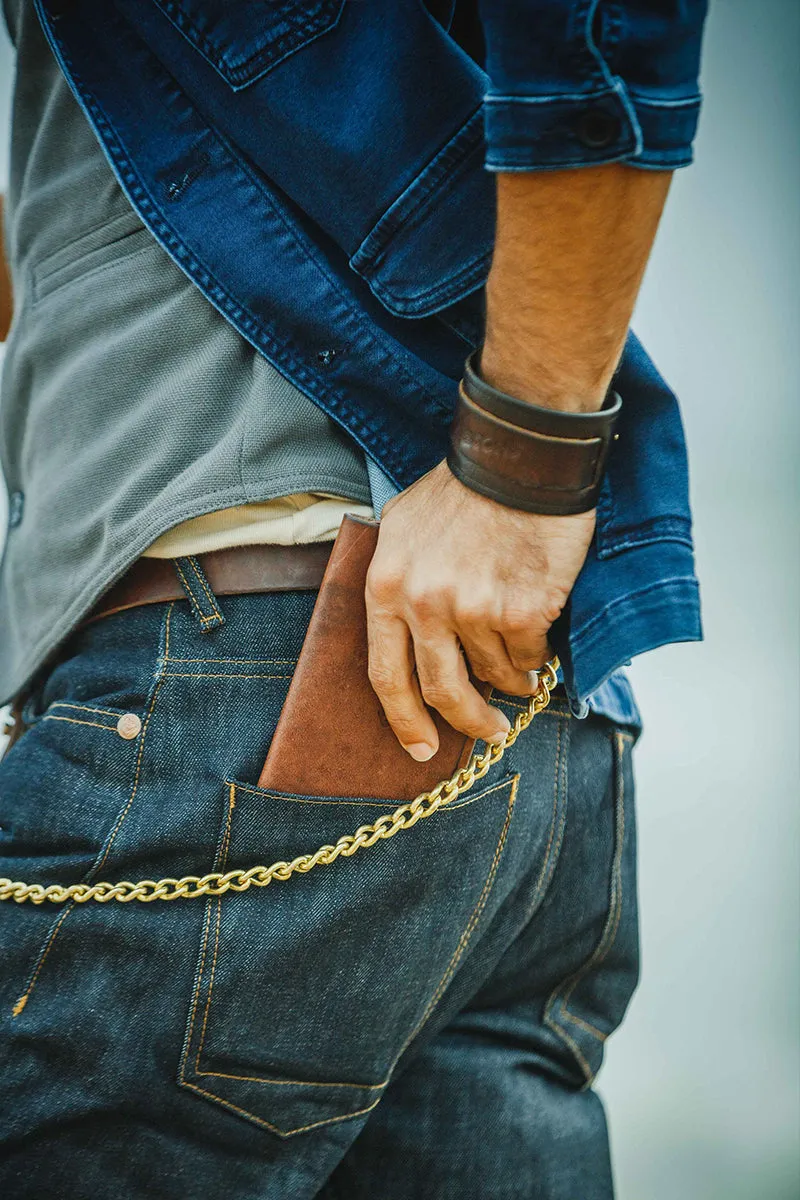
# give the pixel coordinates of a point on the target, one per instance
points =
(201, 598)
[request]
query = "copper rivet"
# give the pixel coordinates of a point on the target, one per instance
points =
(129, 726)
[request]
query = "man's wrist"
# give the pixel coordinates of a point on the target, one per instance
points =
(512, 365)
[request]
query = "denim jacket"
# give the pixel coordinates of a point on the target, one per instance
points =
(319, 170)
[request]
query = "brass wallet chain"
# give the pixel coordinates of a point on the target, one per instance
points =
(217, 883)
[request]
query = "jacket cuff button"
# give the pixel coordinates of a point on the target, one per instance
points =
(598, 130)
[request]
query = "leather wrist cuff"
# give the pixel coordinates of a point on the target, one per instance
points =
(537, 459)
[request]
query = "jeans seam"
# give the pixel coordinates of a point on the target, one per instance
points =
(550, 860)
(106, 712)
(75, 721)
(202, 962)
(223, 860)
(51, 937)
(475, 917)
(140, 755)
(268, 794)
(565, 989)
(218, 675)
(249, 661)
(290, 798)
(43, 953)
(546, 712)
(282, 1133)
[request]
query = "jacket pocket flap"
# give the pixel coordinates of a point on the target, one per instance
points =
(243, 41)
(410, 258)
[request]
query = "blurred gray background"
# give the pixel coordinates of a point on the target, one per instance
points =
(702, 1085)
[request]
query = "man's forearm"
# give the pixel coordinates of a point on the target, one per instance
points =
(570, 253)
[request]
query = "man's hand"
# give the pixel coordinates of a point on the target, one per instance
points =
(455, 571)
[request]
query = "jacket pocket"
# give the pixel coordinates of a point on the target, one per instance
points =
(432, 247)
(244, 41)
(306, 995)
(92, 251)
(407, 200)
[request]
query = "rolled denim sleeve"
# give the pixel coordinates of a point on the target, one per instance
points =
(582, 82)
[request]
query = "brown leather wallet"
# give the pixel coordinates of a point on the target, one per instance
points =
(332, 737)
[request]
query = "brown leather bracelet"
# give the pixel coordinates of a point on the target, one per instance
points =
(536, 459)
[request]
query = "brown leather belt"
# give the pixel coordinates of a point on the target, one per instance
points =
(230, 572)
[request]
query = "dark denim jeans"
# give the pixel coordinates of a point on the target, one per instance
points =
(423, 1019)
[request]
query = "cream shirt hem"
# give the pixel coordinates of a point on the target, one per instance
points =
(286, 521)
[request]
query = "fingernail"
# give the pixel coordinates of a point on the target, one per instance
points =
(533, 680)
(500, 733)
(420, 751)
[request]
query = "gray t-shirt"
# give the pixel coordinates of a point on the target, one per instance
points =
(128, 402)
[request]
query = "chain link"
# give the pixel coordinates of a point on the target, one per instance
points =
(216, 883)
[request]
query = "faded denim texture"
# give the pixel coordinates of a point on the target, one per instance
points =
(424, 1018)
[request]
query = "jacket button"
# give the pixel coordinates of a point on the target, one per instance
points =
(598, 129)
(129, 726)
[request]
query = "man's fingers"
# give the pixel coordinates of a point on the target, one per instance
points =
(391, 673)
(526, 644)
(530, 656)
(488, 657)
(445, 686)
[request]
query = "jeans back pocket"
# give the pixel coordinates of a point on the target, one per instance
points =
(306, 994)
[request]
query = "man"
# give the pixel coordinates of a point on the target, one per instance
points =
(247, 267)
